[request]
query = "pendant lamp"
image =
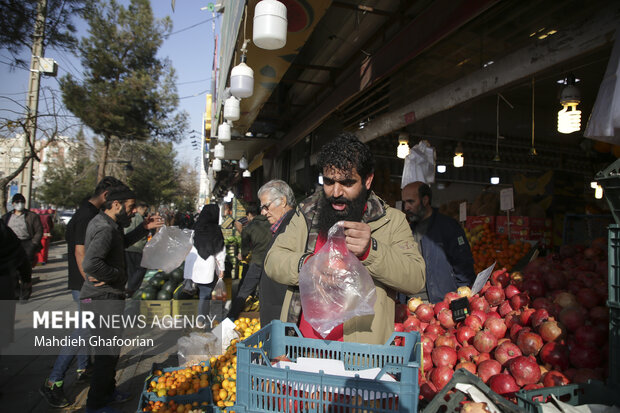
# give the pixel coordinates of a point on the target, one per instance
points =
(441, 169)
(232, 111)
(217, 165)
(242, 80)
(243, 163)
(223, 132)
(246, 174)
(218, 151)
(270, 25)
(458, 159)
(403, 146)
(569, 121)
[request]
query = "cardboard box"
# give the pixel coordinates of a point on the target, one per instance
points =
(475, 221)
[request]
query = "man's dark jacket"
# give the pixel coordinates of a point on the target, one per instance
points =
(446, 251)
(33, 224)
(256, 238)
(104, 257)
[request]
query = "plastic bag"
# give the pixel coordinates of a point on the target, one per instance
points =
(167, 249)
(219, 291)
(419, 165)
(334, 286)
(197, 347)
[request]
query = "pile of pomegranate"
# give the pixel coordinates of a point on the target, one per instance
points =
(544, 327)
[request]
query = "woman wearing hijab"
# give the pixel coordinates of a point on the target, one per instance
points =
(206, 258)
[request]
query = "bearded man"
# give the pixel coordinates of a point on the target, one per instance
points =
(103, 291)
(376, 233)
(442, 242)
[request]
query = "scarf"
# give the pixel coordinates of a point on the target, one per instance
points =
(208, 238)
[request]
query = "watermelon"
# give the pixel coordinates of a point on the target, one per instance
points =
(164, 295)
(149, 293)
(169, 286)
(177, 275)
(158, 280)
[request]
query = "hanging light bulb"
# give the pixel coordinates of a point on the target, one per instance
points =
(218, 151)
(217, 165)
(242, 80)
(321, 179)
(232, 110)
(495, 179)
(458, 159)
(246, 174)
(598, 192)
(593, 184)
(403, 146)
(243, 163)
(223, 132)
(270, 25)
(441, 168)
(569, 121)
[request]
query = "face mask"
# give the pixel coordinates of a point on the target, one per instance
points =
(123, 219)
(19, 206)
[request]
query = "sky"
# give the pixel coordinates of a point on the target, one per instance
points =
(189, 47)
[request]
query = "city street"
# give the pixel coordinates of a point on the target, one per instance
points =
(21, 376)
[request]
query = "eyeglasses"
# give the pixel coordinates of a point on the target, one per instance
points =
(266, 206)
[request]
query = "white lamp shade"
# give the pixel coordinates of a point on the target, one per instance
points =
(242, 81)
(441, 169)
(218, 151)
(598, 192)
(223, 132)
(246, 174)
(270, 25)
(458, 160)
(232, 111)
(593, 184)
(495, 180)
(217, 165)
(243, 163)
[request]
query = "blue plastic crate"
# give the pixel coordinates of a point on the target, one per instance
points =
(593, 392)
(144, 400)
(263, 388)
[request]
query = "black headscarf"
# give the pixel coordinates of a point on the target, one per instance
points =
(208, 238)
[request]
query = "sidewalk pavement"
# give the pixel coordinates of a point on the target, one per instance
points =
(21, 376)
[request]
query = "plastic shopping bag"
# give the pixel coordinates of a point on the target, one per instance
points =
(167, 249)
(419, 165)
(219, 291)
(334, 286)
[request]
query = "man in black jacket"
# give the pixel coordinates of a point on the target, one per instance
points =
(103, 291)
(28, 228)
(442, 242)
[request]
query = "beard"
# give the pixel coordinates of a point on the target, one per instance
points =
(353, 211)
(417, 215)
(123, 219)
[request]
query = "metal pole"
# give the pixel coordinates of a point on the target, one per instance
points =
(32, 104)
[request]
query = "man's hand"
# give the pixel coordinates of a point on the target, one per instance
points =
(357, 237)
(153, 222)
(95, 281)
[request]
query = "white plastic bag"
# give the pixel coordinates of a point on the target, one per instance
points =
(334, 286)
(167, 249)
(197, 347)
(419, 165)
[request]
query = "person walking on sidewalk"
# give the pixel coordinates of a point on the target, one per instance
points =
(75, 234)
(103, 291)
(27, 226)
(133, 253)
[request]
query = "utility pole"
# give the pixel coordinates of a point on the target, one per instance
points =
(32, 104)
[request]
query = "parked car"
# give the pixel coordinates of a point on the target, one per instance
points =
(65, 216)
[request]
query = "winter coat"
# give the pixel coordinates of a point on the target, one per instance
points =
(33, 224)
(449, 262)
(394, 263)
(255, 239)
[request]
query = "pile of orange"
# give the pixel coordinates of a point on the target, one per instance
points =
(488, 247)
(246, 326)
(174, 407)
(180, 382)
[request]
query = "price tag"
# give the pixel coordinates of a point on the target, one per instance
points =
(506, 199)
(463, 212)
(482, 278)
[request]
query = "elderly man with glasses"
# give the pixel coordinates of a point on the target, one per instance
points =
(277, 204)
